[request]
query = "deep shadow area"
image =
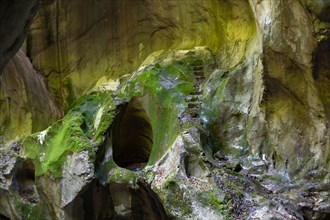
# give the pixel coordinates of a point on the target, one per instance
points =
(322, 60)
(2, 217)
(26, 182)
(116, 201)
(321, 72)
(146, 204)
(138, 203)
(26, 173)
(94, 203)
(132, 136)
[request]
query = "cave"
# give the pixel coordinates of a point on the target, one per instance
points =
(132, 136)
(94, 203)
(138, 203)
(26, 182)
(69, 69)
(116, 201)
(26, 174)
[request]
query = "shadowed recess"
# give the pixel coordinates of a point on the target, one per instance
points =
(139, 203)
(94, 203)
(132, 136)
(116, 201)
(2, 217)
(26, 182)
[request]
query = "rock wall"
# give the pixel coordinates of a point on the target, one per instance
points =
(15, 20)
(237, 93)
(294, 103)
(77, 43)
(25, 103)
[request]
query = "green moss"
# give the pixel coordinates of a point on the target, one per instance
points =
(64, 137)
(165, 127)
(98, 110)
(120, 175)
(104, 170)
(165, 88)
(173, 198)
(215, 202)
(108, 113)
(74, 133)
(28, 211)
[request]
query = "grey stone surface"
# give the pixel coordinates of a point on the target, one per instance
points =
(78, 172)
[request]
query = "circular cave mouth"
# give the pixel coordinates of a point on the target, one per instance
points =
(132, 136)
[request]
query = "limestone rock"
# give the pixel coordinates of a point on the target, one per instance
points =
(320, 8)
(66, 45)
(78, 172)
(25, 100)
(222, 112)
(15, 19)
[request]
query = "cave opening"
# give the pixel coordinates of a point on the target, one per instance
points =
(26, 173)
(2, 217)
(136, 203)
(116, 201)
(132, 136)
(94, 203)
(26, 182)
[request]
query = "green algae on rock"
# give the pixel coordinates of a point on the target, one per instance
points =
(164, 90)
(79, 130)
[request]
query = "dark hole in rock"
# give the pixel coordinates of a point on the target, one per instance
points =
(322, 60)
(146, 204)
(26, 174)
(309, 213)
(84, 127)
(140, 203)
(2, 217)
(26, 182)
(132, 136)
(186, 166)
(116, 201)
(94, 203)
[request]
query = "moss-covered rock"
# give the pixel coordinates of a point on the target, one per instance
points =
(79, 130)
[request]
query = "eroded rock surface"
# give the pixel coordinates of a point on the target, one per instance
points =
(25, 103)
(78, 172)
(231, 122)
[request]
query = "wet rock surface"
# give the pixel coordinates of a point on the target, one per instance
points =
(222, 112)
